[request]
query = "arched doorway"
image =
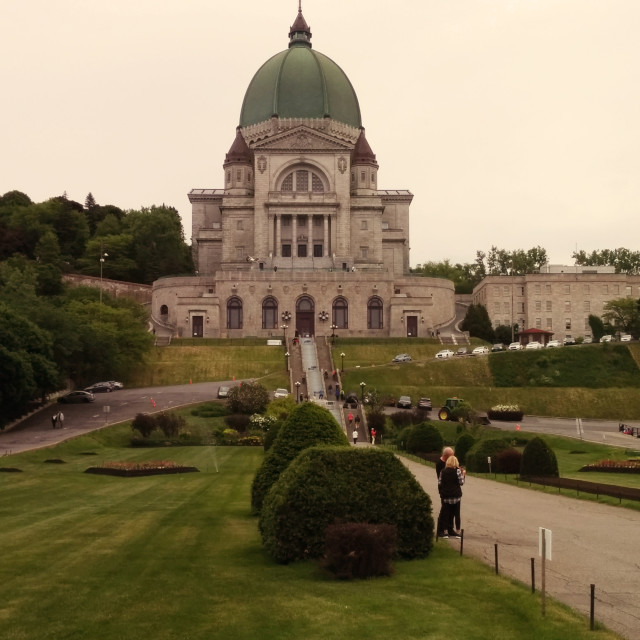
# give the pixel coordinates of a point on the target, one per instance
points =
(305, 321)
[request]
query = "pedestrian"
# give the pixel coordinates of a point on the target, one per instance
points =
(440, 464)
(341, 394)
(355, 436)
(350, 418)
(450, 484)
(373, 435)
(54, 420)
(60, 419)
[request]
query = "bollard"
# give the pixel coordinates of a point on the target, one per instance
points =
(461, 540)
(533, 575)
(495, 547)
(591, 617)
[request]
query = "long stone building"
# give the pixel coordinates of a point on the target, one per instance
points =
(300, 237)
(558, 300)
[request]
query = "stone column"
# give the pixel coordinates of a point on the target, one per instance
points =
(310, 237)
(277, 250)
(294, 235)
(326, 235)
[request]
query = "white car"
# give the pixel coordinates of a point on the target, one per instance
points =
(587, 340)
(445, 353)
(534, 345)
(480, 350)
(280, 393)
(606, 338)
(515, 346)
(625, 337)
(553, 343)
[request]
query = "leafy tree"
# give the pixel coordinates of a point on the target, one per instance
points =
(248, 398)
(623, 315)
(623, 260)
(503, 333)
(424, 438)
(478, 323)
(597, 327)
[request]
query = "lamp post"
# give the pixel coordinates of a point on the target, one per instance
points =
(333, 333)
(284, 328)
(362, 386)
(297, 392)
(286, 362)
(342, 365)
(103, 255)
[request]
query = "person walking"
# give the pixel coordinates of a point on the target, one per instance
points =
(350, 418)
(450, 484)
(447, 452)
(355, 436)
(60, 419)
(54, 420)
(373, 435)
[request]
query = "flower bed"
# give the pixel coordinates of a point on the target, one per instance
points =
(508, 412)
(137, 469)
(614, 466)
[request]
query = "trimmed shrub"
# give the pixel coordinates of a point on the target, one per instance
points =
(307, 425)
(403, 437)
(508, 461)
(332, 485)
(237, 421)
(476, 458)
(144, 423)
(377, 420)
(538, 459)
(463, 444)
(359, 550)
(270, 435)
(424, 438)
(402, 418)
(170, 424)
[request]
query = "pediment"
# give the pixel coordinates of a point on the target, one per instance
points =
(302, 139)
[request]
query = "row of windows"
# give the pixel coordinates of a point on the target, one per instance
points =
(586, 306)
(339, 312)
(548, 323)
(605, 289)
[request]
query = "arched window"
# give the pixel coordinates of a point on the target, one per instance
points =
(269, 313)
(374, 313)
(341, 313)
(304, 304)
(164, 310)
(234, 313)
(303, 180)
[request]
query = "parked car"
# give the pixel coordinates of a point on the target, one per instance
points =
(280, 393)
(569, 340)
(76, 396)
(462, 351)
(606, 338)
(625, 337)
(515, 346)
(100, 387)
(402, 357)
(553, 343)
(498, 347)
(424, 404)
(116, 385)
(587, 340)
(223, 392)
(445, 353)
(480, 350)
(404, 402)
(533, 345)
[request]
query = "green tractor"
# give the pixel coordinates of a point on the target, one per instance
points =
(447, 412)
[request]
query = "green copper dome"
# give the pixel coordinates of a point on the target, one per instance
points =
(300, 83)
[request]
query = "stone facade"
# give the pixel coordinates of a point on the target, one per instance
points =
(559, 300)
(301, 236)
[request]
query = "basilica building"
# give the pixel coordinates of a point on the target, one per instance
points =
(301, 238)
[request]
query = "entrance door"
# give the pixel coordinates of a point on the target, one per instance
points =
(198, 326)
(305, 321)
(412, 326)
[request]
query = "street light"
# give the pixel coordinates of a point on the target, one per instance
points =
(286, 355)
(297, 392)
(342, 365)
(362, 386)
(103, 255)
(284, 328)
(333, 333)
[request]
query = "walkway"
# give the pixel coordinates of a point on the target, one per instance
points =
(591, 544)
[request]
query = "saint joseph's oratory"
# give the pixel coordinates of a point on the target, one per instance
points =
(301, 236)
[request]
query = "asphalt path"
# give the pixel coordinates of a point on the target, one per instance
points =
(591, 543)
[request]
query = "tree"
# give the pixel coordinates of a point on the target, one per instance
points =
(597, 327)
(623, 315)
(623, 260)
(248, 398)
(538, 459)
(477, 323)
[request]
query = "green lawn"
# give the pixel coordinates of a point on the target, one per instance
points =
(179, 556)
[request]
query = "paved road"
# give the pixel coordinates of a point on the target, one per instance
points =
(591, 543)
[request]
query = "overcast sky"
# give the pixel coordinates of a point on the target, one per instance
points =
(513, 122)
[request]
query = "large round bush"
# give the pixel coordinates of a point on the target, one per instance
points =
(538, 459)
(463, 444)
(476, 459)
(424, 438)
(307, 425)
(331, 485)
